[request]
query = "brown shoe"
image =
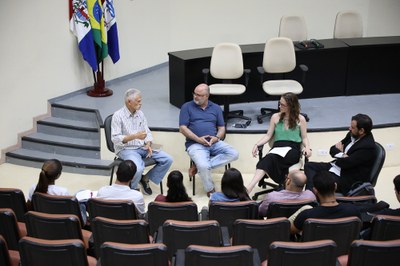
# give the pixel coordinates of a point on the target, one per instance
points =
(209, 192)
(192, 170)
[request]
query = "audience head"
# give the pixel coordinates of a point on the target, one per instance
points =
(396, 182)
(295, 181)
(133, 100)
(201, 94)
(324, 184)
(176, 189)
(232, 185)
(51, 170)
(126, 171)
(289, 104)
(361, 125)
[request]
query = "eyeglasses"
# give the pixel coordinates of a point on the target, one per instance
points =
(198, 95)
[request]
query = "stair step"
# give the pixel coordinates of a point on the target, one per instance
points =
(69, 128)
(74, 113)
(73, 164)
(91, 126)
(62, 145)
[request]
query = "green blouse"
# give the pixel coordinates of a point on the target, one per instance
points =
(291, 134)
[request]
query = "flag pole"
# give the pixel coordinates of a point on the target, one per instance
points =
(99, 89)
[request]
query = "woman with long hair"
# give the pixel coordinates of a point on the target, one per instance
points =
(176, 189)
(50, 172)
(288, 130)
(232, 187)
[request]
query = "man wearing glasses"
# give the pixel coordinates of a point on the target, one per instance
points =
(202, 123)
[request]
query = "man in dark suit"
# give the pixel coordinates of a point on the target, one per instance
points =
(354, 156)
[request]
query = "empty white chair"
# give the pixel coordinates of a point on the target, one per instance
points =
(348, 24)
(293, 27)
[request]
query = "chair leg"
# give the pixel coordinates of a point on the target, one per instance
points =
(112, 174)
(161, 188)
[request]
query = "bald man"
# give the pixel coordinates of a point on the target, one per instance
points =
(294, 185)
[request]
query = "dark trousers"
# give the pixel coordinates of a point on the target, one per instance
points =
(311, 169)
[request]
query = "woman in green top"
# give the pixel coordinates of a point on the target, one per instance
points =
(288, 130)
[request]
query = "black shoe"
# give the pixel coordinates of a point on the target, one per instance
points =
(146, 187)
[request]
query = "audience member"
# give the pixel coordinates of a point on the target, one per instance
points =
(288, 130)
(354, 156)
(132, 140)
(176, 189)
(121, 188)
(202, 123)
(294, 185)
(50, 172)
(232, 187)
(391, 211)
(324, 188)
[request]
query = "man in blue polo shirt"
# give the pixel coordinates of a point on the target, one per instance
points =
(202, 123)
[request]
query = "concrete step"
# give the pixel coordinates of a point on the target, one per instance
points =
(72, 164)
(62, 145)
(75, 113)
(67, 127)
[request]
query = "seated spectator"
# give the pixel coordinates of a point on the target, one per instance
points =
(232, 187)
(324, 188)
(176, 189)
(294, 185)
(390, 211)
(51, 171)
(121, 189)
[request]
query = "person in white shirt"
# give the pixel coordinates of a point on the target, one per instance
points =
(121, 188)
(50, 172)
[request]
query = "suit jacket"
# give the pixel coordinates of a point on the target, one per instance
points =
(357, 166)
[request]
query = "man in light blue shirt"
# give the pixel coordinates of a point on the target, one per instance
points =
(132, 140)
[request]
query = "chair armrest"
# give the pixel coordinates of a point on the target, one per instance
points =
(179, 258)
(206, 72)
(204, 214)
(260, 151)
(158, 235)
(261, 71)
(304, 70)
(247, 72)
(226, 241)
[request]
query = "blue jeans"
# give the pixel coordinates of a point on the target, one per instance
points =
(155, 174)
(207, 158)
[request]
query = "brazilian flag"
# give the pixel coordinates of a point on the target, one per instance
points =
(99, 32)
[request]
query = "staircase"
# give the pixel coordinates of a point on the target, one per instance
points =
(71, 135)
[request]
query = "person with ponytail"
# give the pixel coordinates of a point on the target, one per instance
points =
(176, 189)
(50, 172)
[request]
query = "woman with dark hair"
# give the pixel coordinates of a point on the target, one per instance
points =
(232, 187)
(50, 172)
(176, 189)
(288, 130)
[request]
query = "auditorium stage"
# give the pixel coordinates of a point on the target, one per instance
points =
(326, 114)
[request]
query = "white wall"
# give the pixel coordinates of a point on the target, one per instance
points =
(40, 59)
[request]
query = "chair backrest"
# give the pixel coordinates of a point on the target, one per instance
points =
(279, 55)
(46, 203)
(341, 230)
(4, 255)
(260, 234)
(286, 208)
(357, 200)
(243, 255)
(9, 228)
(348, 24)
(107, 132)
(159, 212)
(378, 164)
(14, 199)
(53, 226)
(313, 253)
(293, 27)
(371, 253)
(134, 254)
(226, 61)
(385, 227)
(113, 209)
(66, 252)
(226, 213)
(180, 234)
(121, 231)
